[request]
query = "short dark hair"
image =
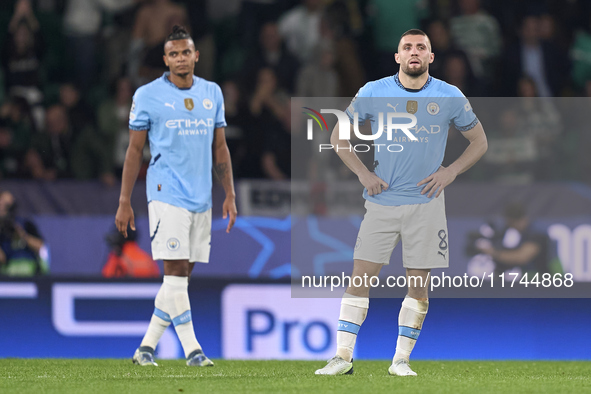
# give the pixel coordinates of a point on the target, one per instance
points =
(414, 32)
(178, 33)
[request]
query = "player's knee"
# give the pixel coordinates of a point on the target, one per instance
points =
(176, 267)
(361, 291)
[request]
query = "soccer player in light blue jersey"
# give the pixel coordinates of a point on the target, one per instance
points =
(404, 196)
(183, 117)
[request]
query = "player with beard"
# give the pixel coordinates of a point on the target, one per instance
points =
(404, 195)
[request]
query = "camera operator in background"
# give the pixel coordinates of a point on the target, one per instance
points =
(515, 247)
(126, 258)
(22, 250)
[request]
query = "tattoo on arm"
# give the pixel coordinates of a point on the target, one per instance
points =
(221, 169)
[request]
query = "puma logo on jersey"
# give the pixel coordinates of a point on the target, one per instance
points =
(170, 105)
(441, 253)
(393, 106)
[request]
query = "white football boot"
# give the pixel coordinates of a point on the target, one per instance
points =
(401, 368)
(336, 366)
(144, 356)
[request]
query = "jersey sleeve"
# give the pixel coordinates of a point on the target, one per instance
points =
(360, 106)
(463, 116)
(139, 118)
(220, 114)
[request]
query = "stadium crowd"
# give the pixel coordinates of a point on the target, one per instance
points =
(70, 67)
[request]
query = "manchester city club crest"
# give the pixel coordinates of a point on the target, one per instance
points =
(433, 108)
(207, 104)
(412, 107)
(189, 104)
(358, 243)
(173, 244)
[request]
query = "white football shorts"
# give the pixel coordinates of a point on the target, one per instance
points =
(422, 227)
(178, 234)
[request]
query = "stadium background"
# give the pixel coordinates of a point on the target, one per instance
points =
(68, 74)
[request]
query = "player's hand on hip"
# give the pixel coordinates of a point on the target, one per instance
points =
(437, 181)
(229, 208)
(124, 217)
(373, 183)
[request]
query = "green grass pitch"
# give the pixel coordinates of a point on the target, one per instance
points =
(121, 376)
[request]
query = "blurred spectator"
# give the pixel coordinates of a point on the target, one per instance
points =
(116, 41)
(457, 72)
(271, 53)
(16, 128)
(319, 78)
(300, 28)
(517, 247)
(9, 159)
(227, 9)
(91, 159)
(22, 55)
(113, 123)
(253, 15)
(478, 34)
(16, 113)
(548, 31)
(126, 258)
(512, 154)
(442, 47)
(335, 34)
(541, 123)
(269, 107)
(80, 114)
(541, 60)
(90, 156)
(345, 17)
(390, 19)
(22, 250)
(237, 118)
(201, 31)
(82, 22)
(581, 56)
(579, 139)
(48, 158)
(153, 24)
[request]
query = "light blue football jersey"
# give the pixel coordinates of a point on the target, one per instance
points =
(436, 105)
(180, 124)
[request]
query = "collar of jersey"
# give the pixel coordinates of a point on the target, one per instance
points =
(410, 90)
(165, 78)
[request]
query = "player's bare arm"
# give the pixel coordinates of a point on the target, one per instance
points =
(368, 179)
(223, 170)
(520, 256)
(435, 183)
(34, 243)
(131, 168)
